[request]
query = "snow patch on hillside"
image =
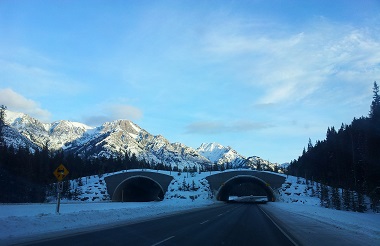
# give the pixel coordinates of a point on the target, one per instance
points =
(191, 186)
(298, 190)
(212, 151)
(301, 191)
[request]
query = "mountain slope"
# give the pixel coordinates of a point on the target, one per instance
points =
(55, 134)
(117, 139)
(221, 155)
(13, 138)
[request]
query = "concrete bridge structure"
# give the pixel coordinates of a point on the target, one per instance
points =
(250, 182)
(139, 186)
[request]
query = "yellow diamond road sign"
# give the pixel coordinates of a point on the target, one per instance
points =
(61, 172)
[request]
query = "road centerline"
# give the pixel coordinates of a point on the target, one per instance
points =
(163, 241)
(204, 222)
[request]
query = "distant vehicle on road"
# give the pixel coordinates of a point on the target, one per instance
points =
(249, 199)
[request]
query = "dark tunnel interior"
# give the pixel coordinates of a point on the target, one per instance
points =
(138, 189)
(245, 187)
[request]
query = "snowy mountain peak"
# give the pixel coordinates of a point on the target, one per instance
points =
(122, 125)
(210, 147)
(56, 134)
(65, 127)
(221, 155)
(21, 121)
(117, 139)
(212, 151)
(10, 116)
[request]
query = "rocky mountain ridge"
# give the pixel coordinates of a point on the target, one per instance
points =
(118, 139)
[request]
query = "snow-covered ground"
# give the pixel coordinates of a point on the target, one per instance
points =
(365, 225)
(299, 204)
(185, 185)
(18, 221)
(92, 207)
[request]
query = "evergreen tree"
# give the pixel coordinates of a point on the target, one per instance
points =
(348, 158)
(228, 166)
(318, 190)
(184, 185)
(324, 197)
(360, 201)
(375, 199)
(76, 194)
(222, 167)
(336, 202)
(2, 115)
(126, 161)
(354, 199)
(346, 199)
(258, 165)
(375, 106)
(134, 163)
(2, 123)
(193, 186)
(312, 191)
(215, 167)
(80, 182)
(66, 191)
(309, 145)
(276, 168)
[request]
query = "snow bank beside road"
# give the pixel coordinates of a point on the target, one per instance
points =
(368, 223)
(17, 221)
(315, 224)
(186, 191)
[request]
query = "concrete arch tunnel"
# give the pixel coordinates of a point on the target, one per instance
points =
(137, 186)
(138, 189)
(244, 185)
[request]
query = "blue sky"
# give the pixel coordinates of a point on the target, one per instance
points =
(260, 76)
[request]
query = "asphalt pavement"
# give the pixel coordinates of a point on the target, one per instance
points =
(228, 224)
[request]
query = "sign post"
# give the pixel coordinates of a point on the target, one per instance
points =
(60, 173)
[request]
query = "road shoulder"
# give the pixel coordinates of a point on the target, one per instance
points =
(311, 231)
(78, 228)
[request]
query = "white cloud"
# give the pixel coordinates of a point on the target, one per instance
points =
(16, 102)
(220, 127)
(110, 112)
(291, 67)
(119, 111)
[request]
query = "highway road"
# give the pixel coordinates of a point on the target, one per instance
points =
(227, 224)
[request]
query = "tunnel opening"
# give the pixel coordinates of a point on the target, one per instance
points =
(138, 189)
(247, 189)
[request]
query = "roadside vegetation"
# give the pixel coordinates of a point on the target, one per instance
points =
(347, 160)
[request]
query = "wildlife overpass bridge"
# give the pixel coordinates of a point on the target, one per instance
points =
(137, 186)
(245, 183)
(140, 186)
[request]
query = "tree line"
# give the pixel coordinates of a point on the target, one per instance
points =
(25, 175)
(349, 158)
